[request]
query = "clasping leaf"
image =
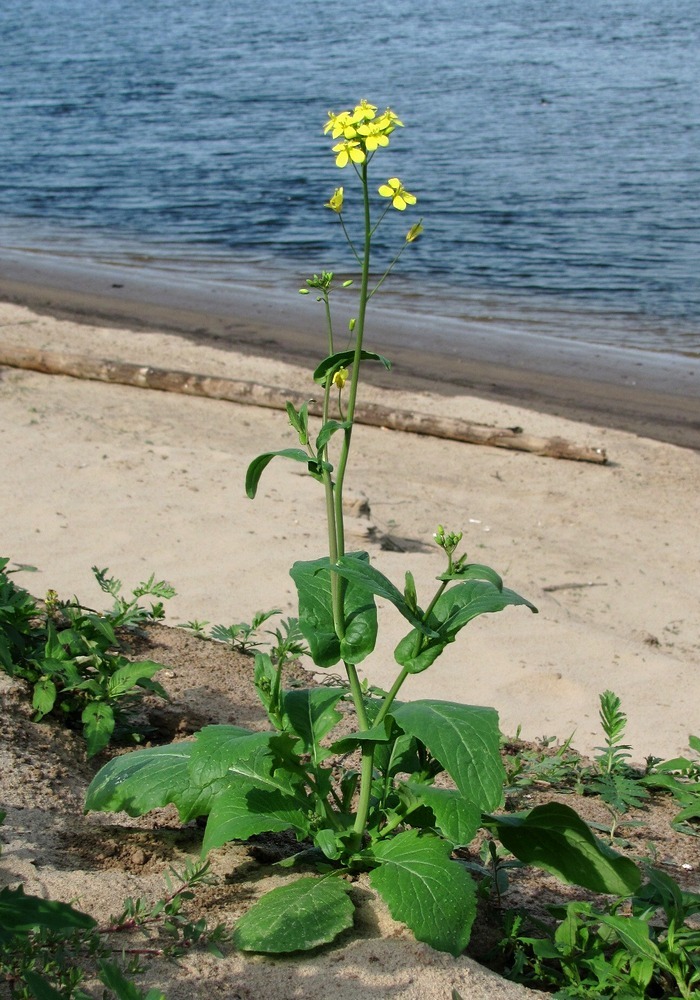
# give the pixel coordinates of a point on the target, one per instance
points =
(330, 365)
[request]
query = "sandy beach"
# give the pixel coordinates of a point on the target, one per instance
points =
(144, 482)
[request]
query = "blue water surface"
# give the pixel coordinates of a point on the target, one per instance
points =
(553, 147)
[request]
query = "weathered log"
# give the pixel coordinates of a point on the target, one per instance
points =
(257, 394)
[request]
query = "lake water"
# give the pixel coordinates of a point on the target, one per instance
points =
(553, 148)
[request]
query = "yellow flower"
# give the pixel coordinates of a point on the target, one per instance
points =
(414, 232)
(342, 124)
(348, 150)
(372, 135)
(340, 377)
(395, 190)
(336, 201)
(364, 112)
(388, 121)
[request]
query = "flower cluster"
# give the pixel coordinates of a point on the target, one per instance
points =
(447, 540)
(361, 131)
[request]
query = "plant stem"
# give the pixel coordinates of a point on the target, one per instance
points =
(367, 768)
(389, 700)
(352, 397)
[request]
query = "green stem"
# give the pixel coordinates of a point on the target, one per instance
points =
(329, 322)
(354, 383)
(389, 700)
(367, 766)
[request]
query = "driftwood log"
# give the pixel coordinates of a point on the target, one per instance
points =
(256, 394)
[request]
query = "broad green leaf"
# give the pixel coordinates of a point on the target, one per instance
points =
(296, 917)
(98, 725)
(457, 818)
(400, 756)
(330, 365)
(216, 747)
(251, 792)
(312, 714)
(313, 582)
(358, 570)
(465, 739)
(424, 889)
(265, 680)
(143, 780)
(474, 571)
(244, 809)
(555, 838)
(259, 464)
(44, 697)
(19, 914)
(454, 609)
(252, 757)
(128, 676)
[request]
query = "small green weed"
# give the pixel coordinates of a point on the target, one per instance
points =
(48, 949)
(680, 776)
(70, 657)
(544, 763)
(243, 636)
(646, 947)
(126, 611)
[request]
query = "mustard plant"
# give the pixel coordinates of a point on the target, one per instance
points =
(364, 801)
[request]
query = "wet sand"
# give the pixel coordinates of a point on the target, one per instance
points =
(654, 395)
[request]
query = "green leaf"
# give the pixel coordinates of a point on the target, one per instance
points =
(359, 571)
(474, 571)
(250, 792)
(98, 725)
(217, 749)
(454, 609)
(313, 582)
(376, 735)
(148, 779)
(400, 756)
(40, 988)
(328, 430)
(244, 809)
(299, 419)
(330, 365)
(424, 889)
(44, 697)
(555, 838)
(19, 914)
(112, 977)
(259, 464)
(465, 739)
(266, 758)
(457, 818)
(634, 934)
(312, 715)
(297, 917)
(128, 676)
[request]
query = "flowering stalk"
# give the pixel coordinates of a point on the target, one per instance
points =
(362, 134)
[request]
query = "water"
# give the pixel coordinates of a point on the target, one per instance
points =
(553, 147)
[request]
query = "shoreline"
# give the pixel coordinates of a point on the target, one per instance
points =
(652, 395)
